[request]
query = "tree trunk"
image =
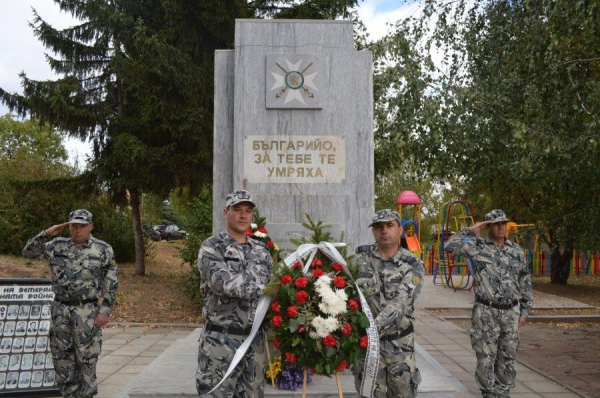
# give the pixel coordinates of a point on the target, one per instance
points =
(140, 264)
(560, 265)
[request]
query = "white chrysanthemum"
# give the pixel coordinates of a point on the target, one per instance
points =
(324, 326)
(259, 234)
(253, 226)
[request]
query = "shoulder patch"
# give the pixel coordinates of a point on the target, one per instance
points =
(416, 279)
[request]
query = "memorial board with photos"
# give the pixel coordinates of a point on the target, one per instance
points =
(26, 366)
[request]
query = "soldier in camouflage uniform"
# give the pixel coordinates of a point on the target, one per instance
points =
(391, 278)
(83, 272)
(234, 269)
(503, 299)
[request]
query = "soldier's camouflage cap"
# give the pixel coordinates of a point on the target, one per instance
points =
(384, 216)
(81, 216)
(495, 216)
(238, 197)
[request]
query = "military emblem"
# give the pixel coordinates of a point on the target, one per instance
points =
(416, 279)
(293, 81)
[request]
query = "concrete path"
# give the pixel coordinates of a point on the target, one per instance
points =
(158, 361)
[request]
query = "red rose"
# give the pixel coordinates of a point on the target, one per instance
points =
(277, 321)
(275, 307)
(364, 342)
(329, 341)
(318, 273)
(301, 297)
(297, 264)
(292, 311)
(291, 358)
(249, 232)
(301, 282)
(301, 329)
(276, 343)
(270, 244)
(346, 329)
(263, 230)
(286, 280)
(316, 263)
(337, 267)
(342, 366)
(339, 282)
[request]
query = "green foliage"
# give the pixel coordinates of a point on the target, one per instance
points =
(510, 110)
(198, 216)
(306, 9)
(113, 225)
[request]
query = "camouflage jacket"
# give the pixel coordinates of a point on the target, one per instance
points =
(84, 271)
(391, 287)
(501, 273)
(233, 276)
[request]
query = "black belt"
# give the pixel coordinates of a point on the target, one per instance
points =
(209, 327)
(76, 301)
(397, 336)
(496, 306)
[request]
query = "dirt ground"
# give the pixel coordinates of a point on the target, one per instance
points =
(568, 351)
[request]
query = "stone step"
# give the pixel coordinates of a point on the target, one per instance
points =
(172, 375)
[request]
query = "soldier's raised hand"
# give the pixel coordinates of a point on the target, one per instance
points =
(477, 226)
(55, 229)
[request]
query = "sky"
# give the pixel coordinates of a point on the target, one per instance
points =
(21, 51)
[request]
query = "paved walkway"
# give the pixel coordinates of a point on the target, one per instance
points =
(129, 352)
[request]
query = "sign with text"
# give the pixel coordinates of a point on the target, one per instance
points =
(26, 366)
(295, 159)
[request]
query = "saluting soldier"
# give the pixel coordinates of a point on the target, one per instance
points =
(391, 278)
(503, 299)
(84, 281)
(234, 270)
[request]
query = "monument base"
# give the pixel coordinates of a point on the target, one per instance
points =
(172, 375)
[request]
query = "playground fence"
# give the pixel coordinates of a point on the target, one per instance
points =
(582, 263)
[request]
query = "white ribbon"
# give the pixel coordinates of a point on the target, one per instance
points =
(371, 364)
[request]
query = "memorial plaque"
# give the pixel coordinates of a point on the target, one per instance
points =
(295, 159)
(26, 366)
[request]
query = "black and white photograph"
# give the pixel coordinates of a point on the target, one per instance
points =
(3, 362)
(13, 311)
(24, 379)
(46, 311)
(44, 327)
(1, 327)
(36, 311)
(49, 361)
(37, 378)
(42, 343)
(27, 362)
(32, 328)
(11, 380)
(15, 362)
(49, 378)
(18, 343)
(2, 311)
(5, 345)
(21, 328)
(9, 328)
(29, 344)
(2, 380)
(24, 311)
(39, 360)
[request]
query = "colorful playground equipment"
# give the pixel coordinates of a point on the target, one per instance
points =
(411, 223)
(448, 270)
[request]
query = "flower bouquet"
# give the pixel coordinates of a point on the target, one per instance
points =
(315, 315)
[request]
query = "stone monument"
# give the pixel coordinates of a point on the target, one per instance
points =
(294, 126)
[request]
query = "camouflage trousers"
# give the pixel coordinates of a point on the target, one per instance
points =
(76, 344)
(398, 375)
(495, 339)
(215, 353)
